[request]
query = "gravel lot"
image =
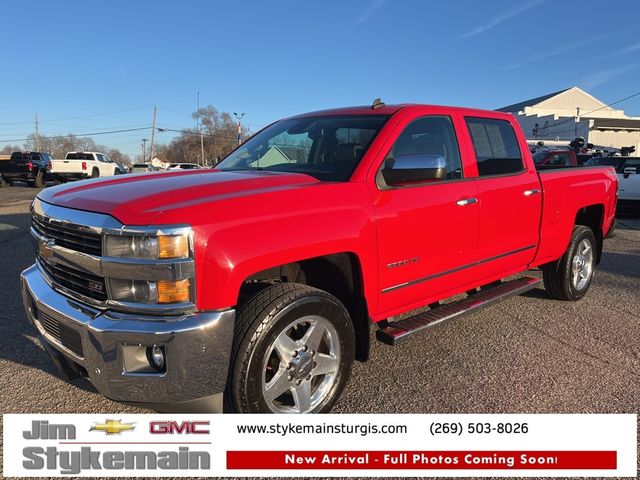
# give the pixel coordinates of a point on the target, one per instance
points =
(529, 354)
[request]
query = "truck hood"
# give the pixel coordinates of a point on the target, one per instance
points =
(137, 199)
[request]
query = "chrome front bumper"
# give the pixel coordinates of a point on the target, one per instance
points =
(197, 348)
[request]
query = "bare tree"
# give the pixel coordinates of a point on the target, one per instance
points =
(9, 149)
(59, 145)
(220, 136)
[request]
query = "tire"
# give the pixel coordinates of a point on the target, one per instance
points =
(284, 336)
(95, 173)
(3, 182)
(570, 277)
(39, 181)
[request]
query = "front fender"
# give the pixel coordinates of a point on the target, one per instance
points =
(254, 236)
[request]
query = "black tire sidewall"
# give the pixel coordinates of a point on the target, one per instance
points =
(248, 374)
(583, 234)
(95, 173)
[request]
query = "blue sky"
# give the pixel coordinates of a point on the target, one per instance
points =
(85, 66)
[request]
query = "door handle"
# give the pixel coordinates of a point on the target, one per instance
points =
(533, 191)
(466, 201)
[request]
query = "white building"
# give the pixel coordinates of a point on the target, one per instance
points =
(572, 113)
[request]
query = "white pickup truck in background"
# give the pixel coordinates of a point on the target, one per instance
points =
(79, 165)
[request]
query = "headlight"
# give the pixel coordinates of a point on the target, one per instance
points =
(142, 291)
(147, 255)
(145, 247)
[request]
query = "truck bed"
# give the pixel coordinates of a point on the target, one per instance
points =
(566, 192)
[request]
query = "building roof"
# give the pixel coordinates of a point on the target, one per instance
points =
(517, 107)
(617, 123)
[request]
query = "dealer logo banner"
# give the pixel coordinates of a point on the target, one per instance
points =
(334, 445)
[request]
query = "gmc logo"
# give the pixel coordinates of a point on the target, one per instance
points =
(171, 426)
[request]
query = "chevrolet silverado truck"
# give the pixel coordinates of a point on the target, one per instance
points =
(253, 287)
(82, 165)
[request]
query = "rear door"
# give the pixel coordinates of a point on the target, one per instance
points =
(629, 180)
(510, 198)
(427, 232)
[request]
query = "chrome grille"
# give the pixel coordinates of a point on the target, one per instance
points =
(64, 335)
(69, 236)
(76, 281)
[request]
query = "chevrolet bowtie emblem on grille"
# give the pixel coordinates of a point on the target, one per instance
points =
(44, 248)
(112, 427)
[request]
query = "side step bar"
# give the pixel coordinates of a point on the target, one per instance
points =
(401, 330)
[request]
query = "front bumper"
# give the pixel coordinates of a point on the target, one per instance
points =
(85, 339)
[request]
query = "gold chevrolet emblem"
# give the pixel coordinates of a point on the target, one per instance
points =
(44, 247)
(111, 427)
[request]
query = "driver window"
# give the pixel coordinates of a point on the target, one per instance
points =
(432, 135)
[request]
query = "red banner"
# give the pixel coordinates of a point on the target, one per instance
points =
(450, 460)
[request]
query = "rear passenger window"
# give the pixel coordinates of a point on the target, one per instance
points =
(496, 146)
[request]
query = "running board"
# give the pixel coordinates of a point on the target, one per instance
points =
(401, 330)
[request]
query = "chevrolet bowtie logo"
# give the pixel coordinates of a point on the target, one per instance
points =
(111, 427)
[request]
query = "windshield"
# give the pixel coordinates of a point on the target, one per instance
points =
(327, 148)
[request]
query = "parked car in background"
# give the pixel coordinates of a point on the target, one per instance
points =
(79, 165)
(184, 166)
(30, 167)
(555, 158)
(628, 172)
(260, 284)
(143, 167)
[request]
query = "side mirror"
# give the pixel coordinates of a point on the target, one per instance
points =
(415, 168)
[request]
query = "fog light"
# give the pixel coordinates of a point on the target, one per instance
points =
(155, 355)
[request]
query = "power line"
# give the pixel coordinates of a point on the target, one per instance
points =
(82, 116)
(191, 132)
(78, 135)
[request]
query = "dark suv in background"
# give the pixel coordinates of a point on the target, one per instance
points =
(31, 167)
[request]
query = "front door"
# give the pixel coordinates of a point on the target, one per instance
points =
(427, 231)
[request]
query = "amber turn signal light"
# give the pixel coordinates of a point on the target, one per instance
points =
(173, 291)
(173, 246)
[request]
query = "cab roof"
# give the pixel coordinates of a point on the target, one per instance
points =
(391, 109)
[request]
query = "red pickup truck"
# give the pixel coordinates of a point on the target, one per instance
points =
(254, 286)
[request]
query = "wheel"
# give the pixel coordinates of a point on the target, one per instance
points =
(570, 277)
(39, 182)
(95, 173)
(293, 350)
(3, 182)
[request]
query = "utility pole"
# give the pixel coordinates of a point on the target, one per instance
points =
(144, 149)
(153, 134)
(200, 130)
(239, 117)
(37, 139)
